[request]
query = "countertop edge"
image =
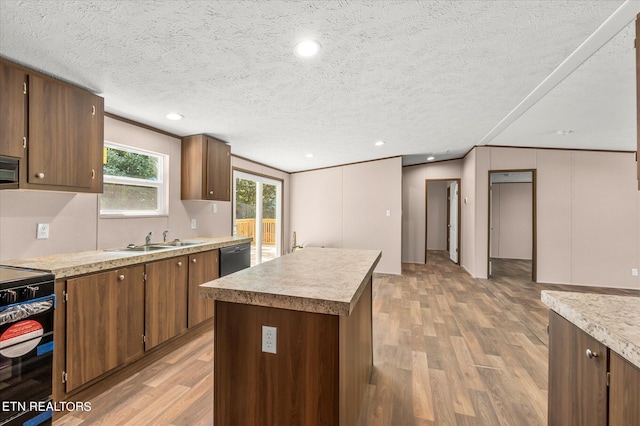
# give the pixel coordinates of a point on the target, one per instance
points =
(90, 262)
(318, 305)
(628, 350)
(356, 296)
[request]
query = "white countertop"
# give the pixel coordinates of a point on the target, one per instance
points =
(73, 264)
(612, 320)
(321, 280)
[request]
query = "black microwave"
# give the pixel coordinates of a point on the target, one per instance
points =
(9, 172)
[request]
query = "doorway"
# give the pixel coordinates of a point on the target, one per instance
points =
(511, 250)
(257, 213)
(443, 218)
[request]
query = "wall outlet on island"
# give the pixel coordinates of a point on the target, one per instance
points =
(269, 339)
(634, 272)
(193, 224)
(42, 231)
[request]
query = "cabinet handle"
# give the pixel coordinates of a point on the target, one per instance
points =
(40, 175)
(179, 263)
(193, 260)
(590, 354)
(120, 277)
(24, 88)
(93, 173)
(24, 142)
(93, 110)
(210, 192)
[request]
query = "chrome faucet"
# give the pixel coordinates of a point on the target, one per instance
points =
(147, 239)
(164, 236)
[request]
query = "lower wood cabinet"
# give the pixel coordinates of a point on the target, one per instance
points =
(579, 392)
(624, 392)
(203, 267)
(105, 323)
(111, 318)
(165, 300)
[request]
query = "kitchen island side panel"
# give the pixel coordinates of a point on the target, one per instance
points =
(297, 385)
(318, 376)
(356, 357)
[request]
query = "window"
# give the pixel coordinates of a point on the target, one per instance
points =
(134, 182)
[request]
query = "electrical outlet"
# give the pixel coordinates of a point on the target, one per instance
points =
(634, 272)
(193, 224)
(42, 231)
(215, 208)
(269, 339)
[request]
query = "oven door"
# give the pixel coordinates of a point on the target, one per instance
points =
(26, 355)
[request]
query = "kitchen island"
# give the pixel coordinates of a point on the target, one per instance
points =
(315, 366)
(594, 358)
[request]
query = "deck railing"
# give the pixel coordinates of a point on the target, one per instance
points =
(246, 228)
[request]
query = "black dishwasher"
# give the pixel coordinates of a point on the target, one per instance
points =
(234, 258)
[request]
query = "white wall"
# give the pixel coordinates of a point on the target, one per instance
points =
(347, 207)
(74, 221)
(437, 215)
(512, 224)
(587, 213)
(413, 204)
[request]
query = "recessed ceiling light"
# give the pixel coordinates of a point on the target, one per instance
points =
(379, 143)
(563, 132)
(173, 116)
(307, 48)
(310, 155)
(431, 158)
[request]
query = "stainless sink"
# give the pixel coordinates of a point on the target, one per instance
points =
(141, 248)
(177, 243)
(157, 246)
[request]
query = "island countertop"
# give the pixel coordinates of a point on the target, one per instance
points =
(321, 280)
(612, 320)
(73, 264)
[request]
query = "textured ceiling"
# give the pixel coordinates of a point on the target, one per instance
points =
(427, 77)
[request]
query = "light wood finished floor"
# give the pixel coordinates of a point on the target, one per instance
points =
(448, 350)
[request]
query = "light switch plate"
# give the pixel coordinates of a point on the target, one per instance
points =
(193, 224)
(634, 272)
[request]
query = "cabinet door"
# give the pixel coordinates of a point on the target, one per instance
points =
(165, 300)
(63, 133)
(92, 325)
(577, 382)
(13, 110)
(218, 170)
(130, 305)
(624, 392)
(203, 267)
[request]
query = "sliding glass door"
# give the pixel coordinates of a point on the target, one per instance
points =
(257, 214)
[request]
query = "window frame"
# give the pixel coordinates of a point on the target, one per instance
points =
(161, 184)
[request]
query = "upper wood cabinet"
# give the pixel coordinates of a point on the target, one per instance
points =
(55, 128)
(13, 111)
(206, 169)
(65, 135)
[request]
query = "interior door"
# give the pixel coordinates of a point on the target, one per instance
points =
(453, 228)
